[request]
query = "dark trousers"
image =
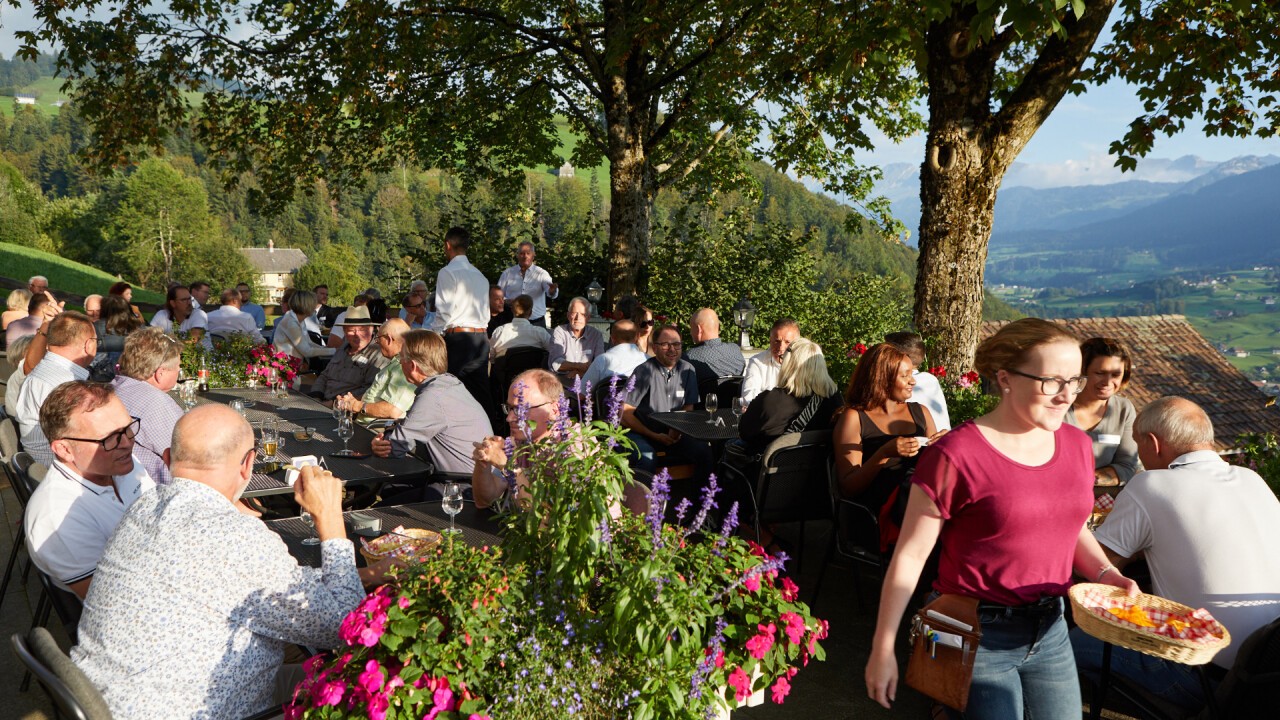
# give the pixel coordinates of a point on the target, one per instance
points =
(469, 362)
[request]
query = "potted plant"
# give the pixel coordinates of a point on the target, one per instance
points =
(585, 611)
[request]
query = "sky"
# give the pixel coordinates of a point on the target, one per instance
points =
(1069, 149)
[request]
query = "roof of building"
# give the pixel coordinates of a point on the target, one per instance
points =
(1171, 358)
(280, 260)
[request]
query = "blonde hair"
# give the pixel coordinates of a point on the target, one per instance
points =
(147, 350)
(426, 349)
(804, 371)
(1011, 344)
(18, 299)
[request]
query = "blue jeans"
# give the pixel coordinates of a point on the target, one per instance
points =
(1024, 667)
(1170, 681)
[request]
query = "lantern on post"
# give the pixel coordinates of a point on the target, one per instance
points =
(744, 315)
(594, 294)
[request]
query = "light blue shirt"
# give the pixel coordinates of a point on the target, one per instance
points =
(256, 312)
(618, 360)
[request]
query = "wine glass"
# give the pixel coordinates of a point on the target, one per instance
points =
(311, 538)
(452, 505)
(712, 403)
(338, 408)
(273, 377)
(739, 409)
(345, 433)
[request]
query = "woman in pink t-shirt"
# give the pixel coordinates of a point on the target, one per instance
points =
(1006, 497)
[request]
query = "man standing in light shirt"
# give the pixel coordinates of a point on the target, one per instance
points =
(149, 369)
(762, 369)
(230, 319)
(928, 391)
(230, 595)
(526, 278)
(462, 317)
(390, 395)
(71, 346)
(90, 485)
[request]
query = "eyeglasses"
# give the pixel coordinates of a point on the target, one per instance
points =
(112, 441)
(646, 323)
(1053, 385)
(675, 344)
(509, 409)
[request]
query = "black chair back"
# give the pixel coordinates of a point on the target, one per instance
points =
(1249, 688)
(728, 388)
(71, 692)
(28, 473)
(510, 364)
(66, 604)
(792, 486)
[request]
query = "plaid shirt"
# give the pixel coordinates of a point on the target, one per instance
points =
(159, 413)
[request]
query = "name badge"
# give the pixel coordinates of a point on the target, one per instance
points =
(680, 394)
(1109, 439)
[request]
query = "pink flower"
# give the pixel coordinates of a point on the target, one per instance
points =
(794, 627)
(329, 693)
(403, 602)
(969, 379)
(741, 684)
(378, 705)
(790, 591)
(293, 712)
(939, 371)
(477, 716)
(781, 689)
(371, 679)
(759, 645)
(444, 701)
(752, 582)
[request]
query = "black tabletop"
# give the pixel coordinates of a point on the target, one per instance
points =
(478, 527)
(323, 443)
(694, 424)
(265, 406)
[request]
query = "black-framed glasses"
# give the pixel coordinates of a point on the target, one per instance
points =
(1055, 385)
(675, 344)
(508, 409)
(646, 323)
(112, 441)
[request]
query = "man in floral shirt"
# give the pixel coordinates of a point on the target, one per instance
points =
(193, 602)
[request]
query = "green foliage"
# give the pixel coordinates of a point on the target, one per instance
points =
(226, 362)
(1260, 452)
(771, 266)
(581, 613)
(338, 266)
(21, 262)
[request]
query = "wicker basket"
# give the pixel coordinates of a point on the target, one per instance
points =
(419, 540)
(1109, 629)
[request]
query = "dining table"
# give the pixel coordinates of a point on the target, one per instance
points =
(700, 425)
(261, 405)
(478, 527)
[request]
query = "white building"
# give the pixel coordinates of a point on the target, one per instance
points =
(276, 268)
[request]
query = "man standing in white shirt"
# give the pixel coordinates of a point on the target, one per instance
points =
(72, 344)
(762, 369)
(928, 390)
(462, 317)
(526, 278)
(520, 332)
(230, 319)
(94, 480)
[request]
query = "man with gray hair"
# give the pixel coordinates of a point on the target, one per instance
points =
(575, 344)
(1208, 531)
(93, 307)
(526, 278)
(230, 594)
(38, 284)
(149, 369)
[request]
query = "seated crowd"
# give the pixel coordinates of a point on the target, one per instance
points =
(138, 490)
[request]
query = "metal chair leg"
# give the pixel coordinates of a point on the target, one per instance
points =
(1104, 684)
(18, 541)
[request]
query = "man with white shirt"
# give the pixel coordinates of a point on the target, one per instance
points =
(71, 346)
(462, 317)
(199, 294)
(526, 278)
(928, 390)
(90, 485)
(622, 357)
(520, 332)
(1207, 530)
(762, 369)
(230, 319)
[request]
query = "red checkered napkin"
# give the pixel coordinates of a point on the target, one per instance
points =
(1194, 626)
(1103, 503)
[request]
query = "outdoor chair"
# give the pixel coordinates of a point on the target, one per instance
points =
(855, 536)
(9, 445)
(1247, 690)
(728, 388)
(22, 488)
(510, 364)
(71, 692)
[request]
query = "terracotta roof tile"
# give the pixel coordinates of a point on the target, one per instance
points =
(1171, 358)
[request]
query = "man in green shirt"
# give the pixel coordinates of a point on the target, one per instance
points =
(390, 395)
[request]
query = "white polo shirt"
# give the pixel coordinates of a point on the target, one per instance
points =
(69, 520)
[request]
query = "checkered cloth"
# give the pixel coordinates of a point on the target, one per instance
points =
(1103, 503)
(1192, 625)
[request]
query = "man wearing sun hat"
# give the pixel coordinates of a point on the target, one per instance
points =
(354, 367)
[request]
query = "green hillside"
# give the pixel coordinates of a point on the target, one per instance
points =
(20, 263)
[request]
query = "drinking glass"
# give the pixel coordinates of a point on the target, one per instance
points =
(270, 441)
(739, 409)
(310, 539)
(452, 505)
(338, 408)
(345, 433)
(187, 394)
(238, 406)
(712, 404)
(273, 377)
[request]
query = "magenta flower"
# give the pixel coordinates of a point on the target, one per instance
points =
(371, 679)
(781, 689)
(741, 684)
(794, 627)
(329, 693)
(378, 705)
(759, 645)
(752, 582)
(790, 591)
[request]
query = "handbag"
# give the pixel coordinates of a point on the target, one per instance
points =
(944, 642)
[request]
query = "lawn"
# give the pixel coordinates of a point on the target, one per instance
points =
(20, 263)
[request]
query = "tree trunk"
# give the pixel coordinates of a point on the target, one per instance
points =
(630, 212)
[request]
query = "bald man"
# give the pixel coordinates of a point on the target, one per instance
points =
(710, 356)
(390, 395)
(230, 594)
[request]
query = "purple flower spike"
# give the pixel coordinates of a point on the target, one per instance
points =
(522, 409)
(708, 502)
(658, 495)
(682, 509)
(562, 419)
(730, 520)
(606, 532)
(615, 401)
(508, 473)
(585, 405)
